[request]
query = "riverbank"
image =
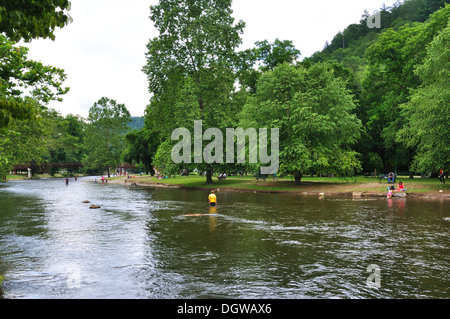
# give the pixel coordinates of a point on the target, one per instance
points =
(21, 177)
(317, 186)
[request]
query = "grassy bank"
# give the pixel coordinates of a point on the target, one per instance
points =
(421, 187)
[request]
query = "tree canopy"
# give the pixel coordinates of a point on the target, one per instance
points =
(312, 109)
(30, 19)
(105, 131)
(190, 65)
(20, 78)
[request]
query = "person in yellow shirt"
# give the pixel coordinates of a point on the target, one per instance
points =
(212, 199)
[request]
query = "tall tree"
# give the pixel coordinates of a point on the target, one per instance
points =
(105, 131)
(313, 111)
(190, 65)
(26, 20)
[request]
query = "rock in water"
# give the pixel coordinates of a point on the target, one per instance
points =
(94, 207)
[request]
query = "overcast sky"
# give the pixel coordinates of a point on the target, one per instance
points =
(102, 51)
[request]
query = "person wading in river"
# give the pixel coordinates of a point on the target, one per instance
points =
(212, 199)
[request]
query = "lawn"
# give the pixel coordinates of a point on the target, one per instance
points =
(308, 185)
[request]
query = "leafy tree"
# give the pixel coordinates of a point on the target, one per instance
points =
(29, 19)
(273, 54)
(25, 141)
(20, 77)
(65, 140)
(264, 57)
(190, 66)
(141, 147)
(427, 112)
(163, 161)
(312, 109)
(104, 139)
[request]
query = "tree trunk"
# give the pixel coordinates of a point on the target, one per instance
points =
(297, 177)
(209, 173)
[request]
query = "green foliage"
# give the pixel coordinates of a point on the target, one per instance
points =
(312, 109)
(104, 139)
(193, 36)
(389, 79)
(272, 55)
(163, 161)
(190, 65)
(29, 19)
(25, 141)
(21, 77)
(356, 38)
(141, 147)
(427, 111)
(65, 140)
(265, 56)
(137, 122)
(325, 120)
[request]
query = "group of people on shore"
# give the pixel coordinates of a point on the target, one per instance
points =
(392, 189)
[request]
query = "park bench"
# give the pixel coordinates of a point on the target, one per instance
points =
(261, 176)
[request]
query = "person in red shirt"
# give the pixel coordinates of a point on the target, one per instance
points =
(400, 187)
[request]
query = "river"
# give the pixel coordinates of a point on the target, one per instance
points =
(140, 244)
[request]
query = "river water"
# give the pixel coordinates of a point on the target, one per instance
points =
(141, 244)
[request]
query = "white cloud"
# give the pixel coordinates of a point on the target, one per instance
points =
(102, 51)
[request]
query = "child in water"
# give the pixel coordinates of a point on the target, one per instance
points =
(212, 199)
(390, 193)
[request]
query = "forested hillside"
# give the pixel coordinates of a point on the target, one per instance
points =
(137, 122)
(350, 45)
(381, 65)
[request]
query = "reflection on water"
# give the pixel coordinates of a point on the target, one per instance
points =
(167, 243)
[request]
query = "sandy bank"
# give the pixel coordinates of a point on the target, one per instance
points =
(337, 190)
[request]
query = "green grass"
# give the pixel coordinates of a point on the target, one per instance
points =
(313, 184)
(308, 184)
